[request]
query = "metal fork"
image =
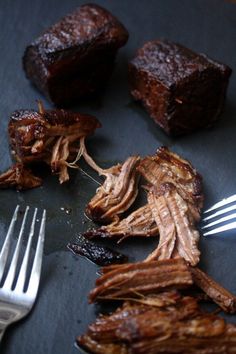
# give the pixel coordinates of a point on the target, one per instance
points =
(18, 291)
(220, 217)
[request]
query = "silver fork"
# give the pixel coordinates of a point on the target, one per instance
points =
(220, 217)
(17, 296)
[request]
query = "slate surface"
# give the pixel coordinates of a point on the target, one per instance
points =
(208, 26)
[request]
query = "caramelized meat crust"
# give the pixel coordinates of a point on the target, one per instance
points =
(55, 137)
(75, 57)
(164, 323)
(181, 90)
(33, 134)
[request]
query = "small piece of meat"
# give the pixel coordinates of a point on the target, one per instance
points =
(99, 255)
(179, 326)
(55, 137)
(178, 234)
(128, 280)
(140, 223)
(117, 193)
(19, 177)
(33, 134)
(181, 90)
(166, 166)
(75, 57)
(221, 296)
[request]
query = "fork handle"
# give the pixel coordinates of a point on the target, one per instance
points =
(3, 326)
(8, 315)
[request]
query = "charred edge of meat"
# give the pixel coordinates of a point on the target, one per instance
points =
(221, 296)
(99, 255)
(117, 193)
(139, 223)
(178, 234)
(128, 280)
(19, 177)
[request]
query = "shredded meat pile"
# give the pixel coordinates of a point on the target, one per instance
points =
(174, 202)
(162, 323)
(154, 317)
(55, 137)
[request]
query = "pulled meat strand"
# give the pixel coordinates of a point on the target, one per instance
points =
(166, 227)
(167, 167)
(221, 296)
(141, 278)
(117, 193)
(139, 223)
(178, 235)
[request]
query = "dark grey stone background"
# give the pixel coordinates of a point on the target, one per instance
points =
(208, 26)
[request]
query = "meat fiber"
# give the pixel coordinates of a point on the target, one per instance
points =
(168, 167)
(178, 234)
(222, 297)
(174, 203)
(117, 193)
(181, 90)
(139, 223)
(55, 137)
(75, 57)
(130, 280)
(153, 325)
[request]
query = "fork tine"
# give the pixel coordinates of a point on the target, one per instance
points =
(220, 212)
(36, 269)
(223, 202)
(219, 221)
(12, 270)
(6, 246)
(23, 270)
(227, 227)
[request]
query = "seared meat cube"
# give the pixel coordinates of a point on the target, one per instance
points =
(75, 57)
(181, 90)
